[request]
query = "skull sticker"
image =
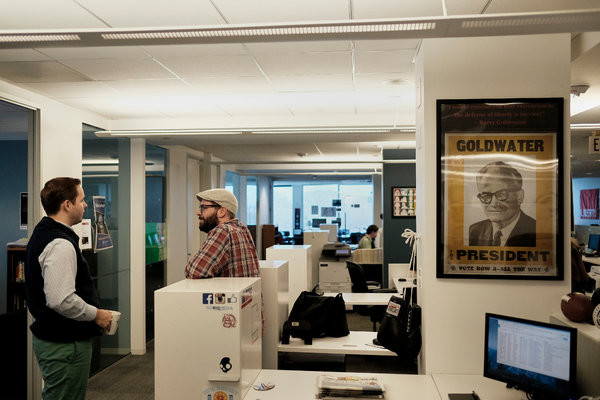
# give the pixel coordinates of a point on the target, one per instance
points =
(225, 364)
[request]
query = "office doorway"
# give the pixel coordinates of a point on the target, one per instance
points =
(16, 130)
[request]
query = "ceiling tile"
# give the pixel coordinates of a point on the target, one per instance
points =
(385, 103)
(44, 14)
(320, 102)
(384, 61)
(92, 53)
(298, 47)
(254, 11)
(518, 6)
(231, 85)
(21, 55)
(195, 50)
(384, 82)
(150, 87)
(115, 69)
(387, 44)
(73, 89)
(157, 13)
(464, 7)
(306, 63)
(202, 67)
(367, 9)
(243, 105)
(39, 71)
(303, 83)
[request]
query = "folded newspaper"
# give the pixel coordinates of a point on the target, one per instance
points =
(349, 387)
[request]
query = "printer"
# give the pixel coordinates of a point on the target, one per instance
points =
(333, 273)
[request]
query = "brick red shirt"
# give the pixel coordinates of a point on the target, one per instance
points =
(227, 252)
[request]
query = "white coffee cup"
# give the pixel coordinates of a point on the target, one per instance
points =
(114, 324)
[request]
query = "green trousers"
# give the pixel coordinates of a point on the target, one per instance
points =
(65, 368)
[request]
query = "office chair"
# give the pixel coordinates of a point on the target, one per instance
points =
(361, 285)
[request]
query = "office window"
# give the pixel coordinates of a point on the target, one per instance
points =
(251, 199)
(283, 209)
(315, 198)
(357, 207)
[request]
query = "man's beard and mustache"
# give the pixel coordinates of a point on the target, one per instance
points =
(207, 224)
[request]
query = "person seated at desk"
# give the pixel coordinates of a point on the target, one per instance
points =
(580, 280)
(368, 240)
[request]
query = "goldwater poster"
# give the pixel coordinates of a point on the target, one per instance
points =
(499, 185)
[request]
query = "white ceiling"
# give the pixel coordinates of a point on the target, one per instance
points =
(300, 83)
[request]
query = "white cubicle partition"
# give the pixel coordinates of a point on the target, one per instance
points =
(317, 239)
(588, 354)
(275, 294)
(301, 274)
(207, 338)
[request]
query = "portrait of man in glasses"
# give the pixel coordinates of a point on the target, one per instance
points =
(500, 192)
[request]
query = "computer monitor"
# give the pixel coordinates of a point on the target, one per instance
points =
(336, 202)
(593, 241)
(536, 357)
(316, 222)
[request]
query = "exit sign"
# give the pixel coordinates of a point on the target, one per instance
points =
(594, 146)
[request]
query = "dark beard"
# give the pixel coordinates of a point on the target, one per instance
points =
(209, 223)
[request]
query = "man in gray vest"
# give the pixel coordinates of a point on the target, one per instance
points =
(61, 295)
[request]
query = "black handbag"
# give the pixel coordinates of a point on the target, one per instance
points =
(314, 315)
(400, 329)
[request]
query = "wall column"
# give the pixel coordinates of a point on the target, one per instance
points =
(479, 68)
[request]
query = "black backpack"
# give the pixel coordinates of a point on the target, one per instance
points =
(314, 315)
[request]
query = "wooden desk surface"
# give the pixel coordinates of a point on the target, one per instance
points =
(302, 385)
(356, 343)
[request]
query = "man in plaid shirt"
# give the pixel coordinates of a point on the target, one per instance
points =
(229, 249)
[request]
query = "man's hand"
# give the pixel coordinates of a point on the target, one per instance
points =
(103, 318)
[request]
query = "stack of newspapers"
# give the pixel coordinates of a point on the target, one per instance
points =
(348, 387)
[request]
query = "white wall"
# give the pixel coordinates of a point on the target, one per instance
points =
(471, 68)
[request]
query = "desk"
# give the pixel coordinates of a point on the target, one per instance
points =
(591, 260)
(364, 299)
(408, 283)
(302, 385)
(486, 388)
(356, 343)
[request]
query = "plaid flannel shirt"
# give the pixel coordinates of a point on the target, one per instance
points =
(227, 252)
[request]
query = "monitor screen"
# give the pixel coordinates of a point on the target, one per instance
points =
(593, 241)
(336, 202)
(316, 222)
(536, 357)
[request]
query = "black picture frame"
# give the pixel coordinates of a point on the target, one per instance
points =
(404, 201)
(481, 143)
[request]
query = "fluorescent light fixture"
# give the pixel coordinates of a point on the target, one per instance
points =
(253, 131)
(39, 38)
(584, 127)
(274, 30)
(363, 29)
(109, 161)
(168, 132)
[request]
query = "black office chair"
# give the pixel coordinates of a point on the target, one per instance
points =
(361, 285)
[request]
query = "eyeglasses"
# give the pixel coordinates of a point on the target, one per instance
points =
(501, 195)
(205, 206)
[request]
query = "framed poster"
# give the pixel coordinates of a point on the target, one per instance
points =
(499, 181)
(403, 201)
